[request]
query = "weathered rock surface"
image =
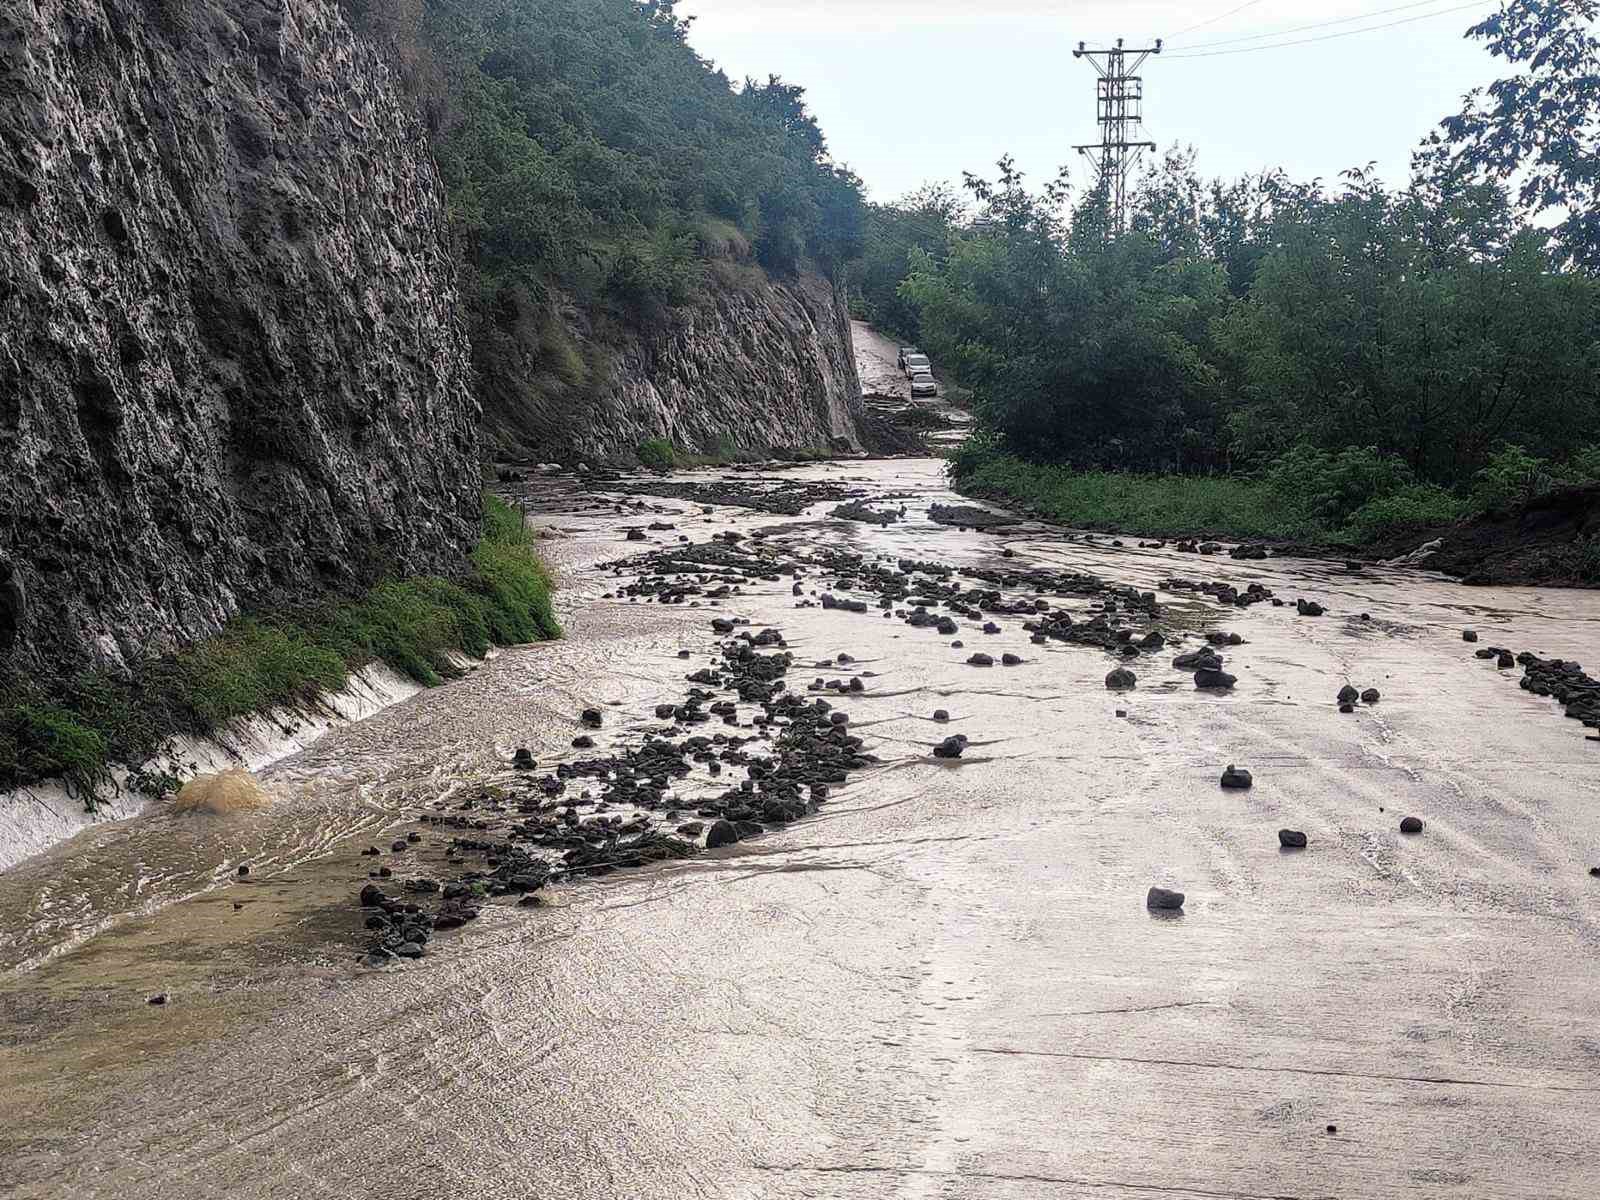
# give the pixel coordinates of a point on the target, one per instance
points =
(231, 367)
(699, 376)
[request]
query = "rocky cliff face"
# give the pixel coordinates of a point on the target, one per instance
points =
(232, 370)
(757, 362)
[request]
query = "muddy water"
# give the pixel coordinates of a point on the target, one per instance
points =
(944, 985)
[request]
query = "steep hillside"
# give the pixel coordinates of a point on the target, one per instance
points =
(753, 364)
(232, 367)
(648, 250)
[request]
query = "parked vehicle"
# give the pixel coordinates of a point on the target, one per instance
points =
(923, 384)
(916, 362)
(904, 351)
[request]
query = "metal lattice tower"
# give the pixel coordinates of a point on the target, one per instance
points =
(1119, 110)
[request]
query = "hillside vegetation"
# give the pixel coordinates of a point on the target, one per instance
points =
(601, 173)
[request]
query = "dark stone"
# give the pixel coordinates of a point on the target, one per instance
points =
(1121, 679)
(951, 747)
(1010, 660)
(1411, 825)
(980, 660)
(1347, 707)
(591, 717)
(1161, 898)
(1370, 696)
(1348, 695)
(583, 742)
(158, 998)
(372, 895)
(1236, 778)
(409, 950)
(940, 714)
(244, 869)
(523, 759)
(636, 535)
(721, 833)
(1469, 635)
(1505, 660)
(1291, 839)
(1220, 680)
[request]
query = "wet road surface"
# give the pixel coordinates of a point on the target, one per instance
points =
(946, 984)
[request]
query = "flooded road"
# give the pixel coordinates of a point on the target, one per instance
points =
(945, 984)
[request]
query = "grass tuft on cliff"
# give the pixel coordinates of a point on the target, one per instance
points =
(76, 732)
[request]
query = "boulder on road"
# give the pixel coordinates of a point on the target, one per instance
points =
(1162, 898)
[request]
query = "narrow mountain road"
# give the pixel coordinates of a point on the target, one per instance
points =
(888, 391)
(945, 982)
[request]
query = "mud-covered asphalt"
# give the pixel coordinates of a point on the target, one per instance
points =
(943, 983)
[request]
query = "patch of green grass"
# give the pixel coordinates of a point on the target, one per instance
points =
(1152, 506)
(77, 730)
(1226, 506)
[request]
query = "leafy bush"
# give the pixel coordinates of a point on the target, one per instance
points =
(1330, 488)
(1584, 466)
(981, 448)
(1420, 506)
(1510, 478)
(657, 454)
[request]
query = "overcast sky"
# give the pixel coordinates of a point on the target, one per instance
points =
(910, 91)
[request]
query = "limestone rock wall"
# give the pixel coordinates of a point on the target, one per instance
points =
(760, 363)
(233, 370)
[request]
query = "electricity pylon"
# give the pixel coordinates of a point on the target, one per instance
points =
(1120, 111)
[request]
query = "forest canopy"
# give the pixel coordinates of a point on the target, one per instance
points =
(586, 147)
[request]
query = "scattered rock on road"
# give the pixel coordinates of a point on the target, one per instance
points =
(1162, 898)
(1214, 679)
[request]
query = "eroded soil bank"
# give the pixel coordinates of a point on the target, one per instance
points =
(940, 977)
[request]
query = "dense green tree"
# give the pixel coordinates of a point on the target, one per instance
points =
(924, 221)
(1230, 325)
(1539, 127)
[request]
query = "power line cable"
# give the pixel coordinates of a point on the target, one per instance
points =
(1327, 37)
(1261, 37)
(1214, 20)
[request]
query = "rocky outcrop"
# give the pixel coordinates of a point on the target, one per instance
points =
(756, 362)
(232, 369)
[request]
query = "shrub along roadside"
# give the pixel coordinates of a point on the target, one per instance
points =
(76, 731)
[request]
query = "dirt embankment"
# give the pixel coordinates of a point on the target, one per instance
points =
(1552, 541)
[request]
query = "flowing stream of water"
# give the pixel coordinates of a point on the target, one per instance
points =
(944, 984)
